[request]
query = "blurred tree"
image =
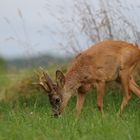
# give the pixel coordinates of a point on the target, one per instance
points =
(3, 67)
(94, 22)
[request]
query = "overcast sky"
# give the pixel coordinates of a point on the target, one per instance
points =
(25, 26)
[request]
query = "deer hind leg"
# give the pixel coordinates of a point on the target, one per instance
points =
(124, 75)
(100, 89)
(134, 87)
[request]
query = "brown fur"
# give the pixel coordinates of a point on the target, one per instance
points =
(106, 61)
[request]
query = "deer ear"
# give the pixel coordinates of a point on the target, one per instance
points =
(60, 79)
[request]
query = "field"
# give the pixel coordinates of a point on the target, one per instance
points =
(28, 117)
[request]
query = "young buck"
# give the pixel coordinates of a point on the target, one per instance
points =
(107, 61)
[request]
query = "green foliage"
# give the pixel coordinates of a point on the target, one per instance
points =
(30, 119)
(3, 67)
(26, 114)
(35, 62)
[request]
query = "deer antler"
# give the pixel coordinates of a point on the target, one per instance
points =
(44, 80)
(48, 80)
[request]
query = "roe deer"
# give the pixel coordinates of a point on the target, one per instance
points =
(106, 61)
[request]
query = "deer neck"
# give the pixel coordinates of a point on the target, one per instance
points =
(72, 82)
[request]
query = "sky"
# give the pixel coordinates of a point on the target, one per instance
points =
(26, 26)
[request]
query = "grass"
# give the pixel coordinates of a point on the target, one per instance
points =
(30, 118)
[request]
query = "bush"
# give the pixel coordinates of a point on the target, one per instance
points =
(3, 67)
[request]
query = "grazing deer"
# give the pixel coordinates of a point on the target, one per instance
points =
(107, 61)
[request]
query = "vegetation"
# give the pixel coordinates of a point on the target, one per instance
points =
(90, 22)
(25, 114)
(36, 61)
(3, 66)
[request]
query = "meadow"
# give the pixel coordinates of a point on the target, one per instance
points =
(25, 114)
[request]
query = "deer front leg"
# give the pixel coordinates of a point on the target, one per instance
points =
(81, 97)
(100, 89)
(79, 103)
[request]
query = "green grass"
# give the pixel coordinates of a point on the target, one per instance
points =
(29, 117)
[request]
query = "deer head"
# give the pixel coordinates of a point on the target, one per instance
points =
(53, 89)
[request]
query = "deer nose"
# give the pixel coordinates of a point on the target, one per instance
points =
(55, 115)
(57, 100)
